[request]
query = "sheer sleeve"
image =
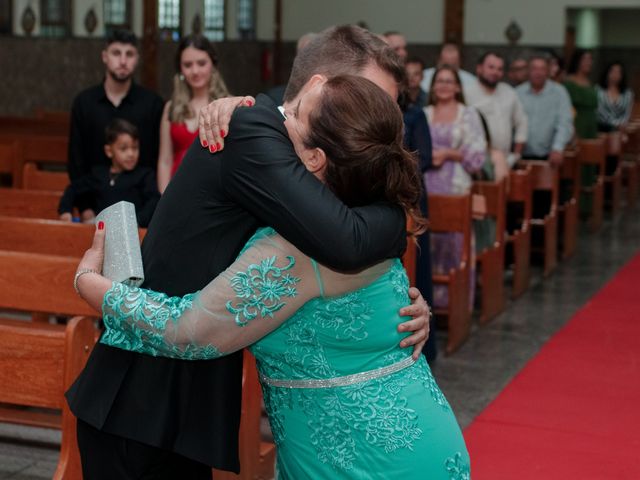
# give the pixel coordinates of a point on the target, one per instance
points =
(266, 285)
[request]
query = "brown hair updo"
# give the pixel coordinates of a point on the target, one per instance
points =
(360, 129)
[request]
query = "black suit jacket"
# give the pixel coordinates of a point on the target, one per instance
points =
(206, 215)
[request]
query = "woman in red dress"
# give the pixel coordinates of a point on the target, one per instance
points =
(197, 82)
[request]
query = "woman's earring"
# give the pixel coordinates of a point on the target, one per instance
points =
(181, 77)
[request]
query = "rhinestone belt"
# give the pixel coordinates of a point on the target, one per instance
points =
(339, 381)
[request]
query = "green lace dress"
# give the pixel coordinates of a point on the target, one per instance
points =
(344, 401)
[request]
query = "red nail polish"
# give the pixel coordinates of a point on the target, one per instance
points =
(205, 144)
(222, 133)
(100, 225)
(249, 103)
(212, 148)
(218, 146)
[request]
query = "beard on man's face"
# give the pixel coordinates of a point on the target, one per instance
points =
(120, 77)
(488, 82)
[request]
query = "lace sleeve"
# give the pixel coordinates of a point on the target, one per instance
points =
(268, 282)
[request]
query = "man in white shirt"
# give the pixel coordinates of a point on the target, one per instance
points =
(500, 106)
(449, 55)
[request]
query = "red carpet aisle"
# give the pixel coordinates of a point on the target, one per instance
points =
(574, 411)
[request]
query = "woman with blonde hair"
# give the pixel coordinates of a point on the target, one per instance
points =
(197, 82)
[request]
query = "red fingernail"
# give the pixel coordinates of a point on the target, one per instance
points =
(205, 144)
(100, 225)
(212, 148)
(222, 133)
(249, 103)
(218, 146)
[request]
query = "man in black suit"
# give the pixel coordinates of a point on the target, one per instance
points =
(157, 418)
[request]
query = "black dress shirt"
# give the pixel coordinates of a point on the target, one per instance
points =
(101, 189)
(92, 111)
(206, 215)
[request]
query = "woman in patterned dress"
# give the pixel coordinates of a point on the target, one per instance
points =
(344, 400)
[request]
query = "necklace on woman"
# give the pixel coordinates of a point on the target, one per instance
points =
(113, 177)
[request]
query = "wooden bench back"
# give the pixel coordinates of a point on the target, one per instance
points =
(33, 360)
(32, 282)
(592, 152)
(8, 155)
(452, 213)
(520, 189)
(495, 194)
(545, 176)
(46, 150)
(51, 237)
(34, 178)
(29, 203)
(32, 126)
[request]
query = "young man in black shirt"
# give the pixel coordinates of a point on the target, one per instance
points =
(118, 96)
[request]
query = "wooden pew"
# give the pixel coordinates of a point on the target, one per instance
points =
(545, 177)
(613, 171)
(568, 205)
(631, 165)
(257, 458)
(40, 361)
(593, 152)
(9, 151)
(448, 214)
(519, 239)
(34, 178)
(50, 237)
(490, 261)
(28, 203)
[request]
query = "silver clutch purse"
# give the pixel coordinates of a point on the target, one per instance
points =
(122, 254)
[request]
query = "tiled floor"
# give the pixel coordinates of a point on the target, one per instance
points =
(471, 377)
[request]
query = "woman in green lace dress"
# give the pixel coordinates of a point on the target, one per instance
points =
(343, 399)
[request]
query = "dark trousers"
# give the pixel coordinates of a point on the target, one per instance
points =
(109, 457)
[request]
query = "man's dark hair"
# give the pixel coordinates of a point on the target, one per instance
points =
(344, 50)
(417, 60)
(485, 55)
(447, 45)
(121, 35)
(117, 127)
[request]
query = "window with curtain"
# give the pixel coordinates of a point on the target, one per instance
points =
(214, 19)
(117, 14)
(169, 19)
(247, 19)
(55, 18)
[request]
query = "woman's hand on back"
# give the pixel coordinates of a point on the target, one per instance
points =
(214, 120)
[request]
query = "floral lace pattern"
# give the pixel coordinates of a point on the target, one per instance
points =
(457, 468)
(261, 289)
(376, 409)
(135, 319)
(399, 281)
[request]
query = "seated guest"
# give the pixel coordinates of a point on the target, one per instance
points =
(548, 109)
(517, 73)
(415, 73)
(449, 55)
(615, 99)
(124, 179)
(459, 149)
(196, 83)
